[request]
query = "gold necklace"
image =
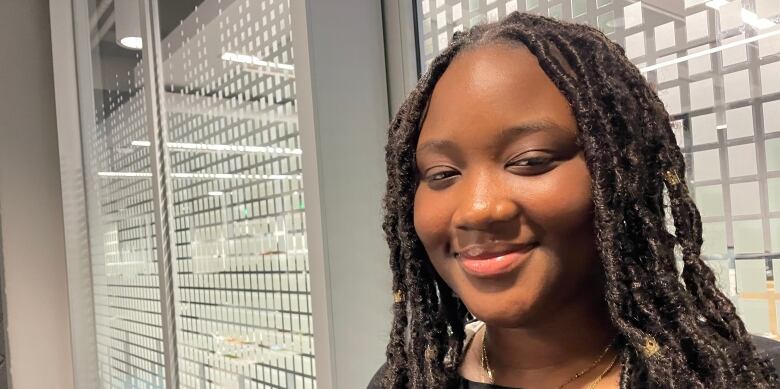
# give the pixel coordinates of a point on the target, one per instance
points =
(603, 373)
(485, 362)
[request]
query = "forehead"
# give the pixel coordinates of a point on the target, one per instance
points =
(493, 87)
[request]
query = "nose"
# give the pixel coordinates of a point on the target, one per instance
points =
(485, 200)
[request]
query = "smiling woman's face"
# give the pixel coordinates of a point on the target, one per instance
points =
(504, 206)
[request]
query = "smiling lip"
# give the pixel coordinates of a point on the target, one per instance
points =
(493, 260)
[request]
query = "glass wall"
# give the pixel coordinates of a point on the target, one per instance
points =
(122, 231)
(222, 94)
(715, 65)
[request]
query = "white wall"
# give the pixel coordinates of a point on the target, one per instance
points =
(31, 202)
(343, 117)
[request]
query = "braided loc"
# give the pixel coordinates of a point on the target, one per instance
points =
(633, 159)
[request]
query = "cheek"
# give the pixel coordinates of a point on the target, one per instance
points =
(561, 206)
(431, 220)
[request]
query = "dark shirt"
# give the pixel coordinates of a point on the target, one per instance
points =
(766, 346)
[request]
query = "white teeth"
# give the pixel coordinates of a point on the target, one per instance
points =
(473, 251)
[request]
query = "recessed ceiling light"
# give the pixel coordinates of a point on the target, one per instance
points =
(132, 42)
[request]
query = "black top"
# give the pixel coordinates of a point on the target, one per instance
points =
(764, 345)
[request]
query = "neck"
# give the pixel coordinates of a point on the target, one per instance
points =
(576, 333)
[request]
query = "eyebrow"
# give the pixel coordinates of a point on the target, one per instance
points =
(506, 136)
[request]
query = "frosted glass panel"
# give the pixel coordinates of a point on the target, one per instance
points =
(697, 25)
(706, 165)
(671, 99)
(774, 232)
(748, 237)
(730, 15)
(633, 14)
(703, 129)
(754, 314)
(579, 7)
(664, 36)
(699, 64)
(773, 186)
(734, 55)
(737, 85)
(742, 160)
(243, 297)
(751, 275)
(714, 235)
(702, 94)
(770, 82)
(635, 45)
(709, 199)
(739, 122)
(772, 116)
(122, 232)
(743, 198)
(667, 73)
(771, 45)
(773, 154)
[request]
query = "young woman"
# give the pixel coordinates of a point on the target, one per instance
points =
(527, 178)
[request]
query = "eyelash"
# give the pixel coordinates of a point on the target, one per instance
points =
(528, 162)
(447, 173)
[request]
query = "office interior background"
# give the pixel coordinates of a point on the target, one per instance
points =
(190, 189)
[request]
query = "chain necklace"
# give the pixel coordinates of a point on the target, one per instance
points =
(485, 362)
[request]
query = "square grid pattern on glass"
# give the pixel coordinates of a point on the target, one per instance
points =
(243, 294)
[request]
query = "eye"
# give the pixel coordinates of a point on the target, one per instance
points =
(439, 177)
(531, 164)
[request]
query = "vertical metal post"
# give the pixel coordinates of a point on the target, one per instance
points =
(154, 93)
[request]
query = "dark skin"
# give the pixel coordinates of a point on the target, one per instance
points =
(499, 165)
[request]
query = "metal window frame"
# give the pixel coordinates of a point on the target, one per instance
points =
(75, 216)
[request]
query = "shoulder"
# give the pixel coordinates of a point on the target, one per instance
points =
(769, 348)
(376, 380)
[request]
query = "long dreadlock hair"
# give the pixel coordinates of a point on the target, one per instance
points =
(633, 158)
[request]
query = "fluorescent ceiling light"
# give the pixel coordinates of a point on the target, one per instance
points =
(710, 51)
(223, 148)
(132, 42)
(753, 20)
(206, 176)
(124, 174)
(256, 61)
(216, 193)
(716, 4)
(209, 176)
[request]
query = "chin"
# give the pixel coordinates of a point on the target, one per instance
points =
(512, 315)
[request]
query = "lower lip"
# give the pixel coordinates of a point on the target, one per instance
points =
(491, 267)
